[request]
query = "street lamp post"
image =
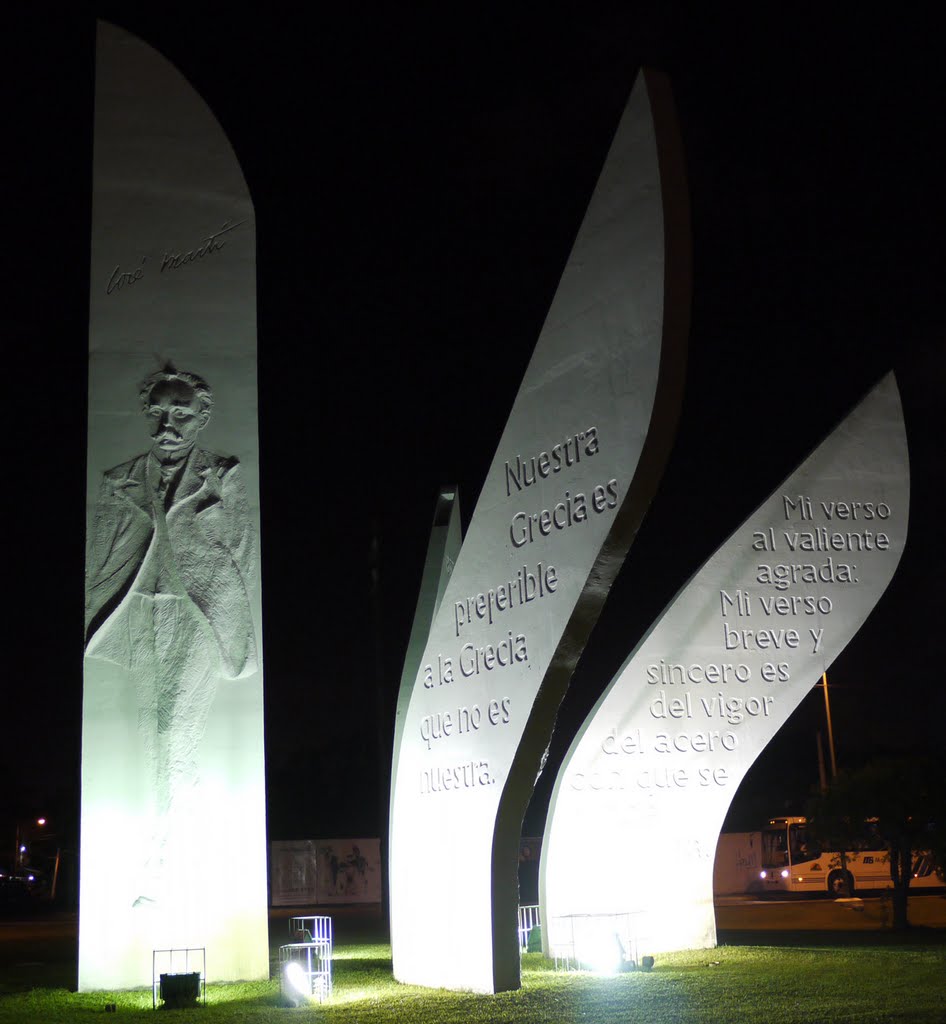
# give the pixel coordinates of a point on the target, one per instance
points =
(827, 711)
(19, 846)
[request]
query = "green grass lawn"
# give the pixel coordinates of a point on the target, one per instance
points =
(863, 984)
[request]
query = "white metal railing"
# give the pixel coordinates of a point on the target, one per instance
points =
(528, 919)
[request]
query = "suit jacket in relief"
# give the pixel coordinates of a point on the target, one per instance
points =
(211, 538)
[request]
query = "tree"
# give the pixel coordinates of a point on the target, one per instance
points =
(899, 801)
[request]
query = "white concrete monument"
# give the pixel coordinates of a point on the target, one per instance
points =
(647, 781)
(173, 848)
(576, 466)
(443, 549)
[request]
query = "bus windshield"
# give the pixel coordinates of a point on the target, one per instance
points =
(784, 844)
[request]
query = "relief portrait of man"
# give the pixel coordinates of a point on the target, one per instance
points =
(170, 568)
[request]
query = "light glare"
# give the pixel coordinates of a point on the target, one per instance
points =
(297, 978)
(603, 954)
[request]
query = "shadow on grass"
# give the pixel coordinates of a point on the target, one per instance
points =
(257, 994)
(356, 966)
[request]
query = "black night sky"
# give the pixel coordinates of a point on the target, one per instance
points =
(418, 181)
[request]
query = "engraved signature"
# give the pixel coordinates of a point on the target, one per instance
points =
(125, 278)
(210, 245)
(119, 279)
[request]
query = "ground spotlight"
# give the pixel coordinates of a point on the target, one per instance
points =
(179, 991)
(305, 972)
(175, 984)
(604, 953)
(294, 984)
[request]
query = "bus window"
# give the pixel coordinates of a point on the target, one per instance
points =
(774, 847)
(872, 837)
(804, 847)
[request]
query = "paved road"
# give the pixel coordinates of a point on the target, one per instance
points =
(41, 951)
(873, 913)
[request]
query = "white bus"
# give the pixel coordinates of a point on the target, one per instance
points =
(794, 862)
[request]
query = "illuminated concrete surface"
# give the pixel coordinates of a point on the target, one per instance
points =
(652, 772)
(443, 549)
(576, 466)
(173, 816)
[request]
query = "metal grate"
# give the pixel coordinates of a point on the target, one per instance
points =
(312, 950)
(315, 961)
(311, 928)
(528, 919)
(576, 941)
(171, 962)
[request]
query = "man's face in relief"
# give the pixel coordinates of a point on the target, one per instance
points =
(176, 417)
